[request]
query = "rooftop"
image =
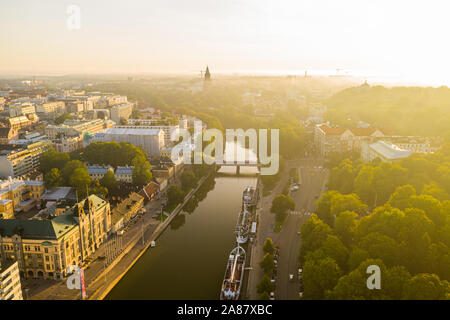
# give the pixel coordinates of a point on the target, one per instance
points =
(134, 131)
(390, 151)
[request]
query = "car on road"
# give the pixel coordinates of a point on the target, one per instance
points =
(272, 295)
(299, 233)
(300, 273)
(291, 277)
(295, 188)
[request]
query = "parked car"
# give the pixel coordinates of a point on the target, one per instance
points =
(291, 277)
(295, 188)
(300, 272)
(272, 295)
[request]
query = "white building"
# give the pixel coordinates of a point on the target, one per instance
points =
(124, 174)
(121, 111)
(98, 172)
(151, 140)
(385, 151)
(168, 130)
(10, 287)
(21, 109)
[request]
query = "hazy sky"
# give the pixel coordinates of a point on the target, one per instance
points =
(386, 37)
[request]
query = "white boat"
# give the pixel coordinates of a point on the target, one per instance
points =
(249, 196)
(242, 227)
(234, 273)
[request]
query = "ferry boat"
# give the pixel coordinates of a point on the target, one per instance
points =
(250, 196)
(234, 273)
(243, 226)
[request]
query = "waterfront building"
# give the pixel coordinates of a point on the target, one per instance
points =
(126, 210)
(22, 160)
(10, 287)
(44, 248)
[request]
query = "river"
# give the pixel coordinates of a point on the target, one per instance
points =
(190, 256)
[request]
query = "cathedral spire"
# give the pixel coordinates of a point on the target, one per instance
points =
(207, 74)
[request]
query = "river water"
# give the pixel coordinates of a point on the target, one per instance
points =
(190, 256)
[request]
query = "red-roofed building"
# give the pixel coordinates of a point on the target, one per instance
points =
(329, 140)
(150, 191)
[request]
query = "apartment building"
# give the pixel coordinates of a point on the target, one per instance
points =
(10, 286)
(151, 140)
(124, 174)
(97, 172)
(167, 129)
(126, 210)
(19, 195)
(75, 127)
(68, 144)
(45, 248)
(21, 109)
(22, 160)
(8, 134)
(121, 111)
(329, 140)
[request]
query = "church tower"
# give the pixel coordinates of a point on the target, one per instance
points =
(207, 74)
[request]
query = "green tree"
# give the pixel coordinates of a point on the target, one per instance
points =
(363, 184)
(188, 180)
(52, 159)
(320, 276)
(109, 181)
(345, 226)
(70, 167)
(265, 285)
(175, 195)
(264, 296)
(267, 263)
(314, 232)
(80, 179)
(141, 171)
(53, 178)
(60, 119)
(401, 198)
(426, 287)
(268, 246)
(280, 205)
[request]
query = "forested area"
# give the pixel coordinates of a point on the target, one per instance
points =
(62, 169)
(396, 216)
(417, 111)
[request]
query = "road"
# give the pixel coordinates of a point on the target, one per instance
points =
(313, 184)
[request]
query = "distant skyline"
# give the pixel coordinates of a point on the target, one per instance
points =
(399, 39)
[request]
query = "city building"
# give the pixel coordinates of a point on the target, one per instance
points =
(19, 195)
(124, 174)
(126, 210)
(8, 134)
(22, 160)
(45, 248)
(150, 191)
(10, 287)
(68, 144)
(97, 172)
(151, 140)
(76, 127)
(21, 109)
(23, 122)
(121, 111)
(329, 140)
(386, 152)
(141, 123)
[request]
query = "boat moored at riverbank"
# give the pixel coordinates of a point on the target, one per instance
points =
(234, 273)
(250, 197)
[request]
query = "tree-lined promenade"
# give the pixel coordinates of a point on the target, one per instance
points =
(396, 216)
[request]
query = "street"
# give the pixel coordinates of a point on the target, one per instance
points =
(312, 185)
